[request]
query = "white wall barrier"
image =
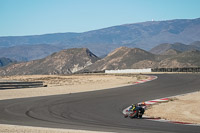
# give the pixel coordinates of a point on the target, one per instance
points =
(129, 71)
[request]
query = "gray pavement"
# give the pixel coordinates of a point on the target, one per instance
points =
(100, 110)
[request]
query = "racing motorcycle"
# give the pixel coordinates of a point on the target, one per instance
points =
(136, 113)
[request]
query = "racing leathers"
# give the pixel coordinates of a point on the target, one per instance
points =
(132, 108)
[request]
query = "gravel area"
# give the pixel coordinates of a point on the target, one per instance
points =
(184, 108)
(27, 129)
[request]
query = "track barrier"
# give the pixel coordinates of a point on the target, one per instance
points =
(149, 70)
(19, 85)
(129, 71)
(186, 69)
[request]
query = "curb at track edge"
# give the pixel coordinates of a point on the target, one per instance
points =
(161, 100)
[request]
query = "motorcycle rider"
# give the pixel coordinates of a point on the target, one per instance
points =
(140, 106)
(132, 108)
(137, 106)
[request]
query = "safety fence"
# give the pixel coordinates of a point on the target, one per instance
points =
(18, 85)
(149, 70)
(88, 71)
(189, 69)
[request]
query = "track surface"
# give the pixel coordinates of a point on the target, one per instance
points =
(100, 110)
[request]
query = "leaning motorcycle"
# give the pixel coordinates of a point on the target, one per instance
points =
(137, 113)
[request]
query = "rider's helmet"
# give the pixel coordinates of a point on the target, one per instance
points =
(143, 103)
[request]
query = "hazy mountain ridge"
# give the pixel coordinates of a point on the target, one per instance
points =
(53, 38)
(28, 52)
(145, 35)
(6, 61)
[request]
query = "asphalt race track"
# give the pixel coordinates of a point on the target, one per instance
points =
(100, 110)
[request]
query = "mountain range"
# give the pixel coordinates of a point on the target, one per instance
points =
(134, 58)
(83, 60)
(144, 35)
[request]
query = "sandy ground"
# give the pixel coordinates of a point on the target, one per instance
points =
(61, 85)
(67, 84)
(26, 129)
(183, 108)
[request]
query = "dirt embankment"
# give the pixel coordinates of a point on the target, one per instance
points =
(184, 108)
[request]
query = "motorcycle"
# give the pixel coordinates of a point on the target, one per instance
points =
(136, 113)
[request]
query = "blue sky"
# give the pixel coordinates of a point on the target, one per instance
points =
(32, 17)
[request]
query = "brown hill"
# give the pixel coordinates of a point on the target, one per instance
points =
(185, 59)
(171, 52)
(63, 62)
(172, 59)
(129, 58)
(121, 58)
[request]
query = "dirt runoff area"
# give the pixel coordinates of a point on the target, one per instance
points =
(26, 129)
(184, 108)
(67, 84)
(62, 85)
